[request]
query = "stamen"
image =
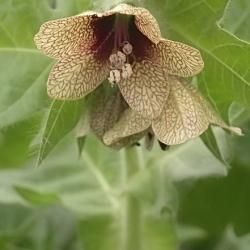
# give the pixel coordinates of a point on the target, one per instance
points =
(117, 60)
(121, 56)
(127, 71)
(120, 63)
(114, 77)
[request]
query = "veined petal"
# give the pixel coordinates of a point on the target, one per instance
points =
(106, 110)
(216, 120)
(131, 123)
(180, 59)
(186, 115)
(183, 116)
(73, 77)
(147, 89)
(144, 20)
(62, 37)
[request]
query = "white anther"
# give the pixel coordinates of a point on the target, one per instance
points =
(127, 71)
(117, 60)
(114, 76)
(127, 48)
(121, 56)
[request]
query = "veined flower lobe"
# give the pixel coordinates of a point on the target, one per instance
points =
(185, 115)
(123, 45)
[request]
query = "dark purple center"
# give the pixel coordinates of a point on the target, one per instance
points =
(112, 31)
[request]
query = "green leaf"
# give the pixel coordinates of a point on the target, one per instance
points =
(212, 204)
(81, 143)
(35, 197)
(62, 118)
(231, 240)
(236, 19)
(83, 128)
(24, 70)
(190, 161)
(210, 141)
(46, 228)
(15, 141)
(22, 92)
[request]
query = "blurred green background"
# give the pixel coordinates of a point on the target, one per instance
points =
(195, 196)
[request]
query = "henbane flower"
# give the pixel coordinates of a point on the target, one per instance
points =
(186, 115)
(123, 45)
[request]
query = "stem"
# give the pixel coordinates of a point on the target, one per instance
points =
(133, 212)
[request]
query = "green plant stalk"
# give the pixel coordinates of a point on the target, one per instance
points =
(132, 205)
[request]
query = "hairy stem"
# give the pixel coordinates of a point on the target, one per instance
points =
(133, 213)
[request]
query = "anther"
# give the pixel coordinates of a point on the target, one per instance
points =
(114, 76)
(117, 60)
(127, 71)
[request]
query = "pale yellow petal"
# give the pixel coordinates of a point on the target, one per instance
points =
(130, 123)
(147, 89)
(183, 117)
(73, 77)
(144, 20)
(63, 37)
(180, 59)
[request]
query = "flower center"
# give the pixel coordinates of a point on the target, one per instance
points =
(122, 58)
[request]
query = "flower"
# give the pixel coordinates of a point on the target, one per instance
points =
(123, 45)
(186, 115)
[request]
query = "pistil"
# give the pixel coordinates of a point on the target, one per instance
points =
(121, 30)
